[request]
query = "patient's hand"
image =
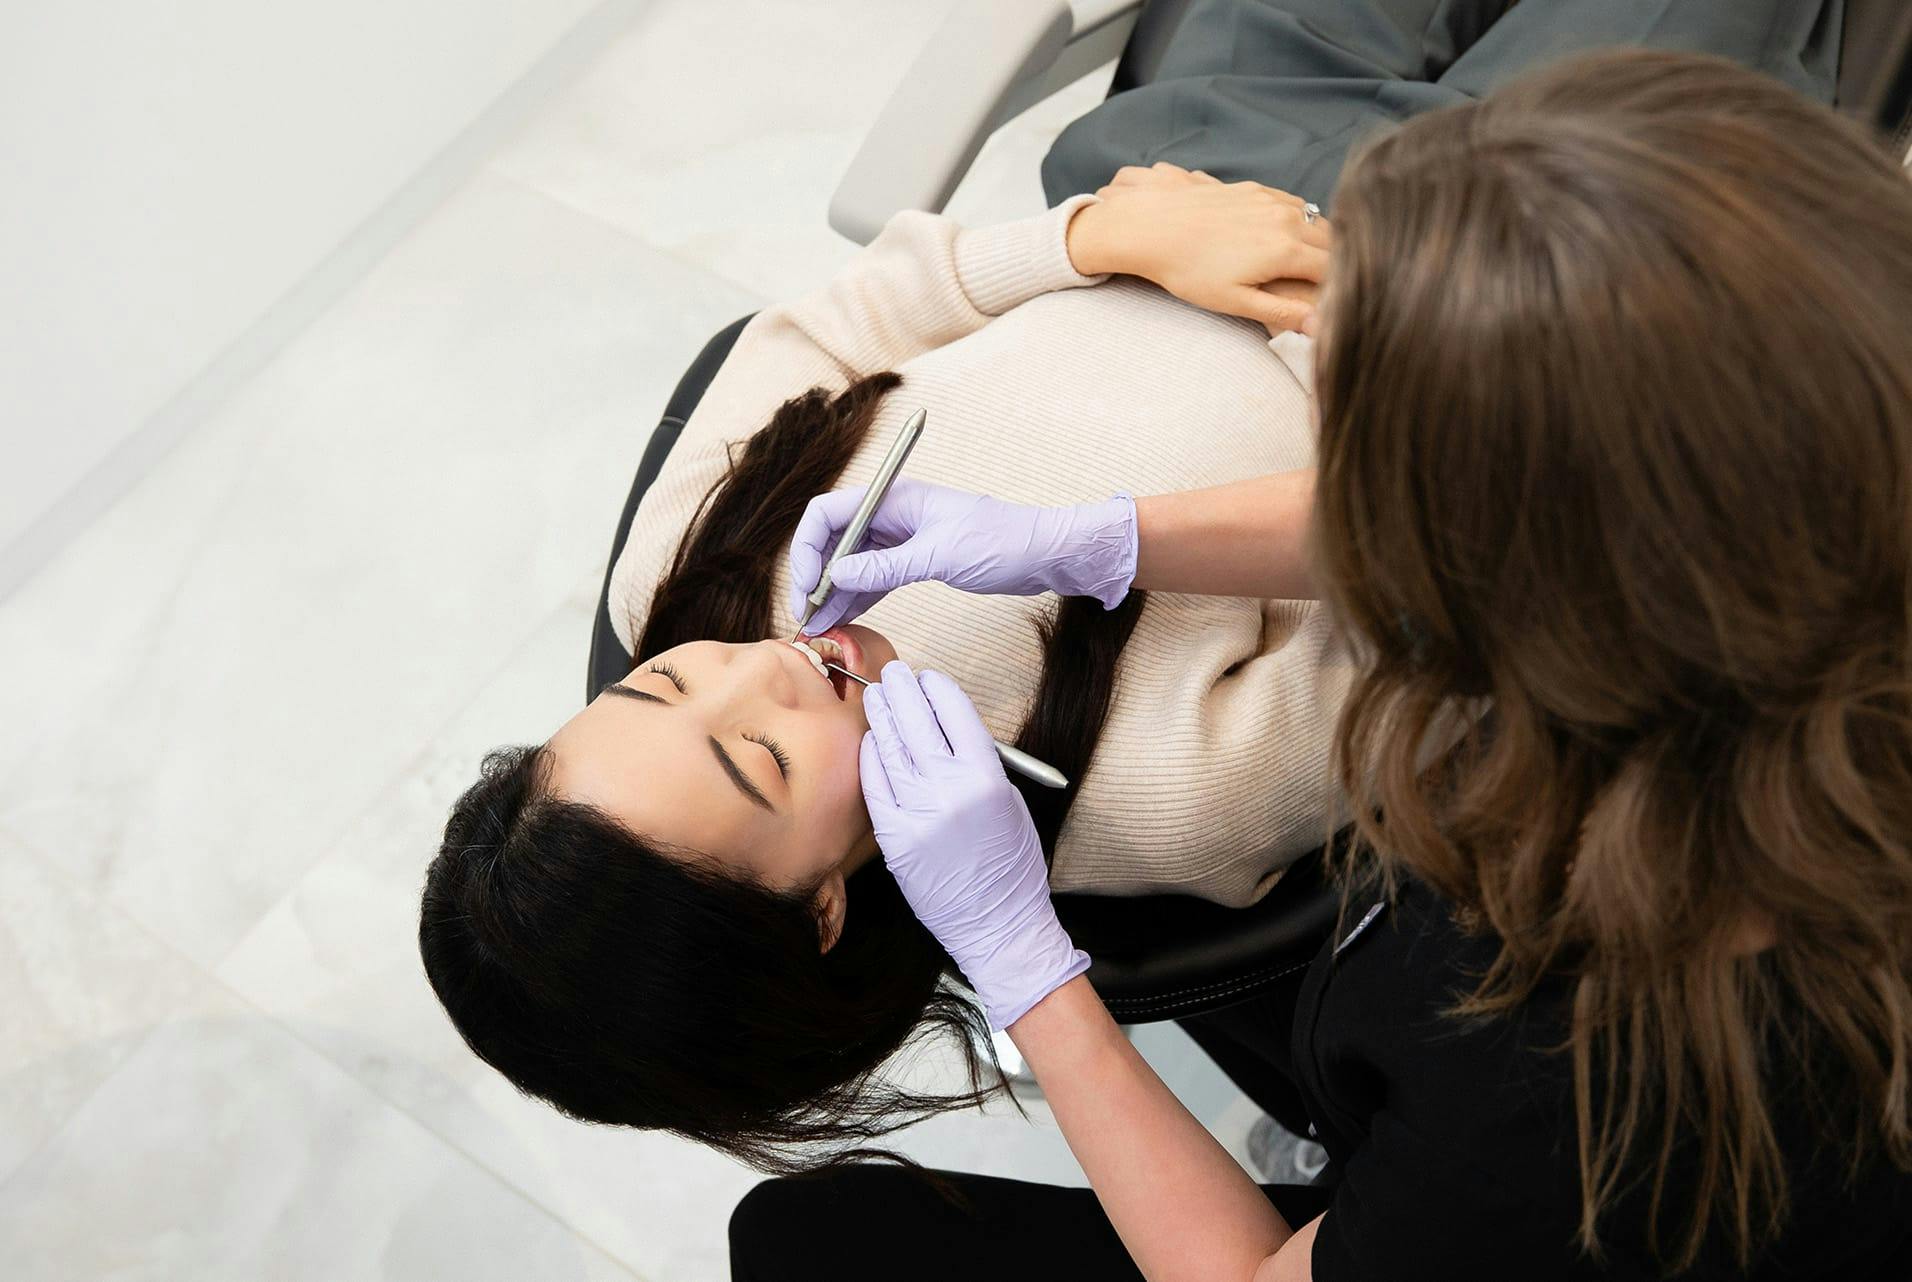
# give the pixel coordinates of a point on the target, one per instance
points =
(1237, 248)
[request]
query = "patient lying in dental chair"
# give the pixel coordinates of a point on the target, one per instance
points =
(1210, 770)
(673, 913)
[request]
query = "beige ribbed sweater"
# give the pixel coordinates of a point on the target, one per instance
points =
(1046, 386)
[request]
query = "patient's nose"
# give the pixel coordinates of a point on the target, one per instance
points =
(759, 673)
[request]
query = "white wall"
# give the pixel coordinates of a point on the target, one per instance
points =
(170, 169)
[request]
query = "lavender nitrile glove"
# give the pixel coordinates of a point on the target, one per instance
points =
(969, 541)
(959, 841)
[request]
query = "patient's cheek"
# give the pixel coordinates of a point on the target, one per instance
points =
(844, 788)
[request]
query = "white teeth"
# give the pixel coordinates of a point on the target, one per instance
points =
(816, 660)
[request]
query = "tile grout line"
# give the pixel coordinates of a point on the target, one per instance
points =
(492, 166)
(379, 795)
(518, 647)
(48, 865)
(315, 291)
(510, 1185)
(636, 237)
(523, 644)
(384, 792)
(220, 984)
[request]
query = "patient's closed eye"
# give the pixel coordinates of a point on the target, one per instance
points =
(669, 673)
(775, 749)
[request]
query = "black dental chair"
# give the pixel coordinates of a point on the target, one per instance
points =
(1163, 957)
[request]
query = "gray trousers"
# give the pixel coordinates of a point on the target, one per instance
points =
(1278, 90)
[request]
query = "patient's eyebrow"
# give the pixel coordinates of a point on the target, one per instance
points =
(738, 777)
(626, 692)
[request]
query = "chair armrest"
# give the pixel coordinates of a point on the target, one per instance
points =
(989, 61)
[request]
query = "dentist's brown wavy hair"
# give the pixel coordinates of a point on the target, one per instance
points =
(1616, 441)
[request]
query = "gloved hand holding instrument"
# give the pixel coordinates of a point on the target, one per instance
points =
(959, 842)
(852, 523)
(969, 541)
(958, 839)
(957, 836)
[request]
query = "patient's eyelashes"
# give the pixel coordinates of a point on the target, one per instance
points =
(669, 673)
(776, 750)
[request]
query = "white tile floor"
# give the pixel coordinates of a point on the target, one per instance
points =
(238, 707)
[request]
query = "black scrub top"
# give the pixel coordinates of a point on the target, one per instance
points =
(1454, 1140)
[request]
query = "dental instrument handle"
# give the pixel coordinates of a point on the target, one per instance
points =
(1012, 758)
(872, 498)
(1030, 767)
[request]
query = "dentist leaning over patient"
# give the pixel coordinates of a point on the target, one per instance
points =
(1614, 498)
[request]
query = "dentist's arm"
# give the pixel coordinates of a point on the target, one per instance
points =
(1248, 538)
(1181, 1205)
(1238, 248)
(958, 839)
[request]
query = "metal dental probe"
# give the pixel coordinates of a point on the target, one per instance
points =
(1014, 758)
(860, 523)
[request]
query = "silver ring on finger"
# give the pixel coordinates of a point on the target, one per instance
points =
(1309, 212)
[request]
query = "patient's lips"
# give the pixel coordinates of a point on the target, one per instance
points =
(849, 651)
(809, 652)
(819, 650)
(840, 647)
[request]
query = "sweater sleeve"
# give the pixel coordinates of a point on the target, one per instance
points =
(922, 283)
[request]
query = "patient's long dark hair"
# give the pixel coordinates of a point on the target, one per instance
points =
(627, 986)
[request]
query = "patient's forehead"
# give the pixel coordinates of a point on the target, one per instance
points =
(650, 767)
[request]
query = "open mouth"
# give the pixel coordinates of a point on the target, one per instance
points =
(833, 647)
